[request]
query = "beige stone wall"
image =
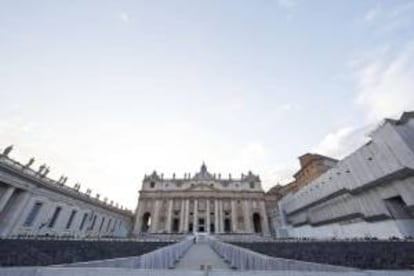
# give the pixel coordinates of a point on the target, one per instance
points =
(312, 166)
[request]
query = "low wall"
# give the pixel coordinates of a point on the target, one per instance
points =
(162, 258)
(359, 254)
(243, 259)
(40, 252)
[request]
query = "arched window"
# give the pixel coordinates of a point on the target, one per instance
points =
(257, 223)
(146, 222)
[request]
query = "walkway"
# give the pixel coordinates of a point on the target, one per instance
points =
(201, 254)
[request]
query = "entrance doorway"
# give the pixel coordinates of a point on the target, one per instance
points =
(257, 224)
(227, 225)
(176, 225)
(201, 225)
(146, 222)
(212, 229)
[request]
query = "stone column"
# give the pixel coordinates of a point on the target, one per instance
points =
(156, 217)
(138, 217)
(265, 221)
(233, 216)
(221, 217)
(195, 215)
(182, 215)
(6, 197)
(186, 215)
(208, 216)
(247, 216)
(169, 216)
(16, 216)
(216, 216)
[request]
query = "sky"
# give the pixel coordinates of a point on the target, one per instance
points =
(108, 91)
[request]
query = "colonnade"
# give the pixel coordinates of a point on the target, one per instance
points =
(12, 202)
(184, 215)
(6, 196)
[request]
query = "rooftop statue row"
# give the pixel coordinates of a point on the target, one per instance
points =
(203, 174)
(43, 171)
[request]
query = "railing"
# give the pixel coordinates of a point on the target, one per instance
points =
(91, 238)
(162, 258)
(244, 259)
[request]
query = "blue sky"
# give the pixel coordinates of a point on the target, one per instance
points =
(106, 91)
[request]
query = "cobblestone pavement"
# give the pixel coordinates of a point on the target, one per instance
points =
(201, 254)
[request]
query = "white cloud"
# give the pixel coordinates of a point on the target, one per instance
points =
(251, 154)
(288, 107)
(390, 19)
(373, 14)
(343, 141)
(287, 4)
(384, 88)
(384, 79)
(385, 84)
(233, 105)
(124, 17)
(402, 9)
(279, 175)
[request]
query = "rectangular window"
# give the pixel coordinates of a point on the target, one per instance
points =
(54, 217)
(33, 214)
(113, 227)
(108, 225)
(102, 223)
(71, 217)
(93, 223)
(85, 216)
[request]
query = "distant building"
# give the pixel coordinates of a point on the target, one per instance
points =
(311, 167)
(203, 203)
(370, 193)
(31, 204)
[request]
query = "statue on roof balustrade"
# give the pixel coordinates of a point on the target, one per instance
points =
(7, 150)
(31, 161)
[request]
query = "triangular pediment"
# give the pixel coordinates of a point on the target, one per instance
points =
(201, 187)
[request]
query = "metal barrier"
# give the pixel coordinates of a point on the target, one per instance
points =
(244, 259)
(162, 258)
(54, 271)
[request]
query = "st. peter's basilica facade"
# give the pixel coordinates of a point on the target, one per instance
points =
(205, 202)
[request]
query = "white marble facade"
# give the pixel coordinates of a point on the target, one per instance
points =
(203, 203)
(34, 205)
